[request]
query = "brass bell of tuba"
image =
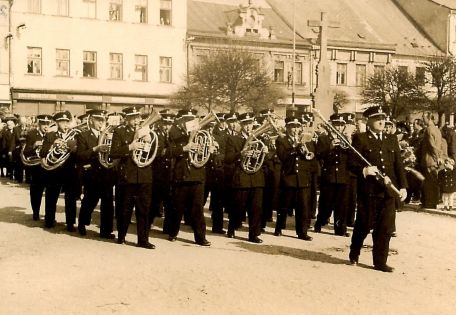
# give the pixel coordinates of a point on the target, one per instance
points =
(252, 162)
(203, 140)
(106, 139)
(32, 160)
(60, 152)
(145, 156)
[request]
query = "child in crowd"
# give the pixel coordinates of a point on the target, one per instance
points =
(447, 183)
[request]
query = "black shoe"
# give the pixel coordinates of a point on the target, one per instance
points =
(305, 237)
(109, 236)
(347, 234)
(71, 228)
(36, 217)
(48, 225)
(219, 231)
(394, 234)
(146, 245)
(204, 242)
(231, 234)
(172, 238)
(120, 240)
(317, 228)
(82, 230)
(277, 233)
(384, 268)
(353, 259)
(256, 240)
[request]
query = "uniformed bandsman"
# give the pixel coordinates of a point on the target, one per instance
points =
(98, 180)
(33, 143)
(298, 167)
(376, 202)
(335, 178)
(134, 183)
(188, 181)
(62, 177)
(247, 188)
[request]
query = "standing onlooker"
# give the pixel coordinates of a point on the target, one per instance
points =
(9, 144)
(431, 152)
(447, 183)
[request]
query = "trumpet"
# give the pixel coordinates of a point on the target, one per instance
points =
(60, 151)
(253, 160)
(145, 156)
(202, 140)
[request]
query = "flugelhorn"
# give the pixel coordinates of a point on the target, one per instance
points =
(60, 152)
(202, 141)
(304, 138)
(145, 156)
(254, 148)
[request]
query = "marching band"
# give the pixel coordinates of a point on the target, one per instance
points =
(167, 166)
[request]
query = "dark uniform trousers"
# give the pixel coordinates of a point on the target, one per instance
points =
(133, 187)
(188, 184)
(215, 186)
(38, 180)
(58, 180)
(335, 180)
(376, 203)
(296, 185)
(247, 190)
(98, 184)
(162, 169)
(271, 168)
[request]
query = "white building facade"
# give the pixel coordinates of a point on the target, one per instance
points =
(83, 54)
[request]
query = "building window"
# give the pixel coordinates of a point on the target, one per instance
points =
(116, 66)
(90, 8)
(403, 69)
(341, 74)
(34, 6)
(298, 72)
(165, 12)
(33, 60)
(62, 7)
(420, 75)
(278, 71)
(360, 75)
(166, 69)
(140, 68)
(141, 11)
(379, 69)
(115, 10)
(62, 62)
(89, 65)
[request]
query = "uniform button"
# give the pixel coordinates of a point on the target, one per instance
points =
(337, 169)
(337, 162)
(383, 166)
(297, 158)
(381, 160)
(380, 152)
(297, 164)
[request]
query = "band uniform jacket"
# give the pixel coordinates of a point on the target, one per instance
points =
(163, 163)
(334, 161)
(33, 136)
(88, 159)
(215, 166)
(386, 155)
(296, 170)
(127, 170)
(241, 179)
(184, 171)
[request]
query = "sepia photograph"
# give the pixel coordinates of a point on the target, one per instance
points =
(227, 157)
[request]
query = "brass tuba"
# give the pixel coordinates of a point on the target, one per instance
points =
(145, 156)
(60, 152)
(203, 141)
(106, 138)
(252, 161)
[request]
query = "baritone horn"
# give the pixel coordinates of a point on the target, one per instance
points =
(145, 156)
(254, 148)
(202, 140)
(60, 151)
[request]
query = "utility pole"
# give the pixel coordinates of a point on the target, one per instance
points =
(294, 57)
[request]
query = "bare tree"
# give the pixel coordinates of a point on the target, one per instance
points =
(442, 78)
(229, 80)
(396, 88)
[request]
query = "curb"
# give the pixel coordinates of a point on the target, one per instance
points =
(416, 208)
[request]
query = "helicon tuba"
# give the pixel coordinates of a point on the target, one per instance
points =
(253, 161)
(145, 156)
(203, 140)
(60, 152)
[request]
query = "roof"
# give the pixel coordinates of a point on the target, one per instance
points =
(211, 17)
(361, 23)
(450, 4)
